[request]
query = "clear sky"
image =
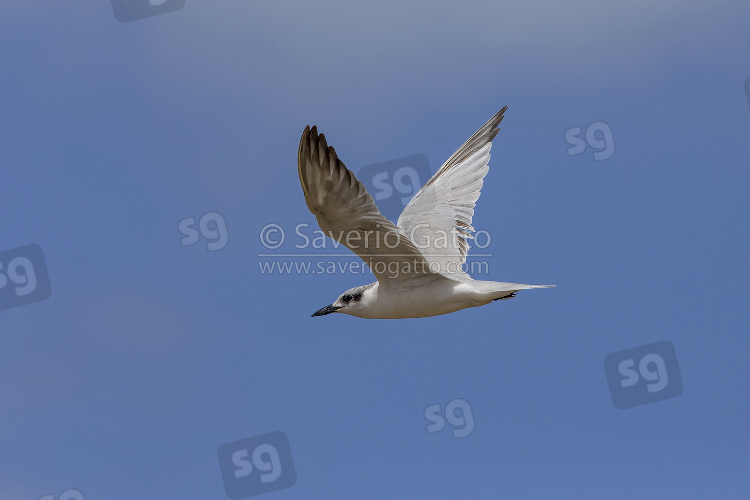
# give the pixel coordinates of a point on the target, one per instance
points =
(146, 353)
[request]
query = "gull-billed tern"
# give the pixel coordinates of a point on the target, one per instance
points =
(417, 262)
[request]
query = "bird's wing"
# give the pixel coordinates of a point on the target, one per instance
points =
(438, 218)
(348, 214)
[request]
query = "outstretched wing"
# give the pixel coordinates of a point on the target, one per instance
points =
(438, 218)
(348, 214)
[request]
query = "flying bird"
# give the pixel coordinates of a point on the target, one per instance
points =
(417, 261)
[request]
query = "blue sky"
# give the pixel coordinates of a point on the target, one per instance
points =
(149, 354)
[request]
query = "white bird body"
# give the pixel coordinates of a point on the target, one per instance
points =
(428, 297)
(418, 261)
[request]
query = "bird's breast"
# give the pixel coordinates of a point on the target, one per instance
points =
(421, 300)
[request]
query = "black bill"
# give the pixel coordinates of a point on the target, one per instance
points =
(326, 310)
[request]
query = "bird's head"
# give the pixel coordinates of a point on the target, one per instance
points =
(351, 301)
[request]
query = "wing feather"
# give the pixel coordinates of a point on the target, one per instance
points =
(438, 219)
(348, 214)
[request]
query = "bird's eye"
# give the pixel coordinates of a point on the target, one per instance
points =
(346, 298)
